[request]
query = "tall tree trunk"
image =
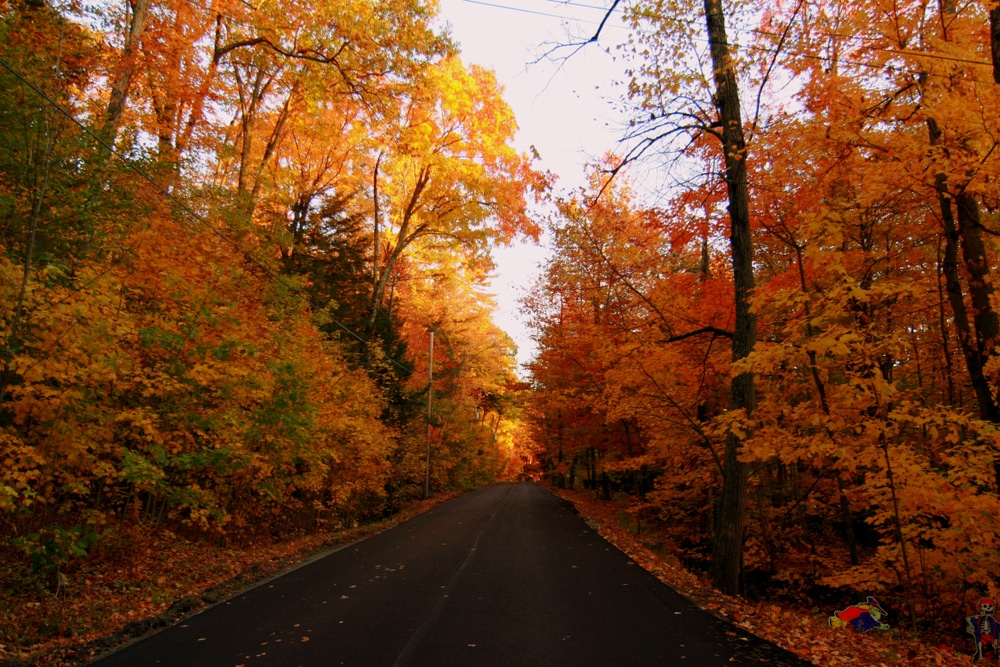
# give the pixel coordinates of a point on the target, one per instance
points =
(277, 134)
(984, 317)
(977, 338)
(125, 73)
(995, 41)
(377, 216)
(978, 341)
(727, 547)
(945, 336)
(404, 237)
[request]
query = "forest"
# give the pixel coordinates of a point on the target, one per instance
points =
(228, 240)
(246, 254)
(790, 360)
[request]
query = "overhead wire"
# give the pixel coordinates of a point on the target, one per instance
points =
(522, 10)
(694, 22)
(246, 254)
(760, 32)
(700, 23)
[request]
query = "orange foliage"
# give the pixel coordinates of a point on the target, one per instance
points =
(193, 332)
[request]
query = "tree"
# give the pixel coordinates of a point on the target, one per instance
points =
(705, 100)
(176, 329)
(452, 174)
(728, 547)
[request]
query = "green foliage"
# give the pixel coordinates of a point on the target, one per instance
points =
(191, 340)
(51, 548)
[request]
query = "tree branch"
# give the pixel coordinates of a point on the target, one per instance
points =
(604, 20)
(715, 331)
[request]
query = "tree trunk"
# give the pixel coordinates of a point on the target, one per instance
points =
(978, 337)
(953, 287)
(984, 318)
(945, 336)
(403, 239)
(995, 41)
(978, 341)
(727, 547)
(980, 283)
(277, 133)
(126, 72)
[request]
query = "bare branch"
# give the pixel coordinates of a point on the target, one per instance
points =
(715, 331)
(578, 46)
(604, 20)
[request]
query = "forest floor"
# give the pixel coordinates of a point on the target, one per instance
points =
(145, 580)
(804, 632)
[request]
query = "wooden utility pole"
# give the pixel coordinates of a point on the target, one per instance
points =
(430, 398)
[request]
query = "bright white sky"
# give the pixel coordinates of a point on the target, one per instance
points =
(562, 107)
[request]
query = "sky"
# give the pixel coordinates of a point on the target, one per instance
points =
(561, 104)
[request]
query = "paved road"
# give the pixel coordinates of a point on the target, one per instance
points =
(509, 575)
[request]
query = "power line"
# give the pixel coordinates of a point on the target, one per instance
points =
(569, 3)
(534, 12)
(246, 254)
(555, 2)
(762, 33)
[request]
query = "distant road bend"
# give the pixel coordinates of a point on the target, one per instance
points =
(508, 575)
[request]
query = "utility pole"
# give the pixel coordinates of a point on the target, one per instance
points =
(430, 398)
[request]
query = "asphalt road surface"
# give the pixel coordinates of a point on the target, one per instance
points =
(509, 575)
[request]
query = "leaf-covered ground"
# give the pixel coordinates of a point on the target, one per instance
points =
(804, 632)
(141, 581)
